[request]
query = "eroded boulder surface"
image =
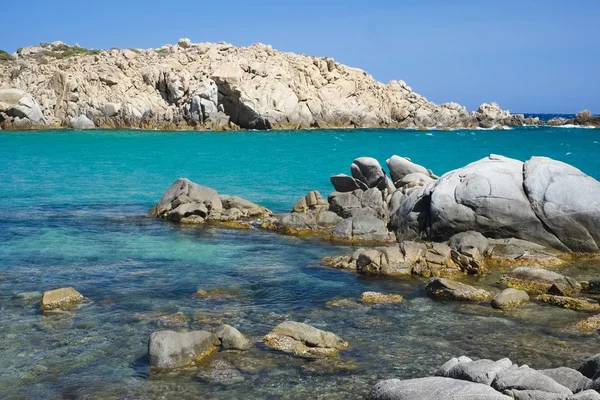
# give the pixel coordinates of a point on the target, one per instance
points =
(543, 201)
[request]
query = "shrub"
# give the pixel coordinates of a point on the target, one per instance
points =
(4, 56)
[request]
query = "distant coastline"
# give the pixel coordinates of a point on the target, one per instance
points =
(206, 86)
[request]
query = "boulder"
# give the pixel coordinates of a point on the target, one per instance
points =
(568, 377)
(586, 118)
(243, 207)
(343, 183)
(480, 371)
(401, 167)
(414, 179)
(538, 280)
(232, 339)
(391, 260)
(486, 196)
(168, 349)
(448, 365)
(304, 340)
(433, 388)
(359, 202)
(346, 204)
(367, 170)
(111, 109)
(525, 378)
(312, 201)
(566, 201)
(446, 288)
(510, 298)
(17, 104)
(363, 228)
(586, 395)
(312, 220)
(60, 299)
(185, 199)
(82, 122)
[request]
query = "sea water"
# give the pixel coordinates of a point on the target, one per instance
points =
(75, 211)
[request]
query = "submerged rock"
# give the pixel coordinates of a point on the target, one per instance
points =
(232, 339)
(446, 288)
(573, 303)
(433, 388)
(220, 372)
(510, 298)
(589, 324)
(169, 349)
(304, 340)
(60, 299)
(537, 280)
(381, 298)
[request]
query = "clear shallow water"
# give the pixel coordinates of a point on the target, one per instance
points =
(73, 213)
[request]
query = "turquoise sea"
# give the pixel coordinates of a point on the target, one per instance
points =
(75, 213)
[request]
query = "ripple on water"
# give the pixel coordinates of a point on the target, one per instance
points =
(74, 214)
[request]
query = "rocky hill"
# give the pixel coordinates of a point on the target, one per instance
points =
(212, 86)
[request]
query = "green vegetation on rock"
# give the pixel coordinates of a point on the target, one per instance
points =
(4, 56)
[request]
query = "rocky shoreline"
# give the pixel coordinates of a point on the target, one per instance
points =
(218, 87)
(521, 221)
(497, 214)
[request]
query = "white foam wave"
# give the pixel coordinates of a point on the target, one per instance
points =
(573, 126)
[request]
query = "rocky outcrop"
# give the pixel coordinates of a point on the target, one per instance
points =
(188, 202)
(220, 86)
(464, 379)
(541, 201)
(583, 118)
(304, 340)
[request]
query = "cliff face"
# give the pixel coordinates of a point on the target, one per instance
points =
(214, 86)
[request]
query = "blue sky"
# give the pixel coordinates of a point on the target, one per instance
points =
(528, 55)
